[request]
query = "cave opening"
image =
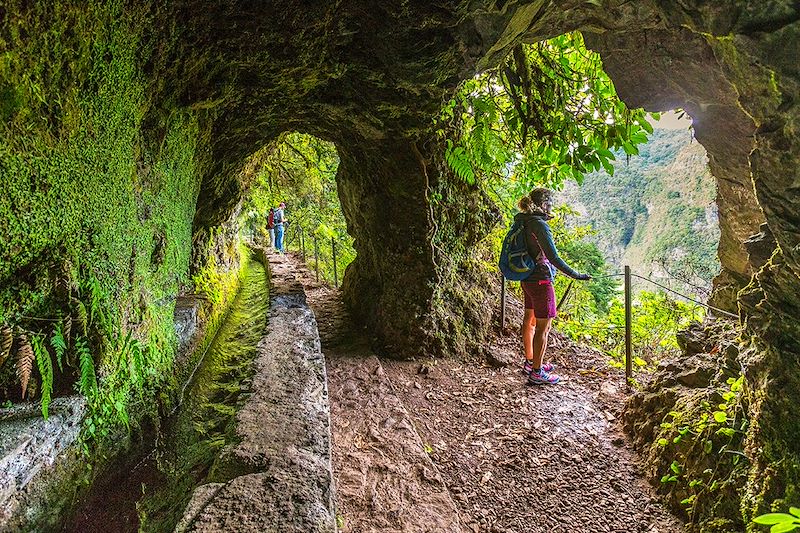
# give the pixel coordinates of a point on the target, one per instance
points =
(299, 171)
(657, 213)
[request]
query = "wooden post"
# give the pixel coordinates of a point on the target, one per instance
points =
(628, 347)
(333, 250)
(502, 302)
(316, 257)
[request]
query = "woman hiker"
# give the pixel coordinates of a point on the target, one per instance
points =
(540, 299)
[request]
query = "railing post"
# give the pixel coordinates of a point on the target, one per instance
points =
(628, 347)
(316, 256)
(502, 302)
(333, 250)
(303, 244)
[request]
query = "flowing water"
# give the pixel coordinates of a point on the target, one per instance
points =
(152, 494)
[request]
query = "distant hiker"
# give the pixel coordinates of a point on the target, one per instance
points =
(540, 298)
(271, 227)
(280, 222)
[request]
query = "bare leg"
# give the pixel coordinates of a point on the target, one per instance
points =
(540, 340)
(528, 321)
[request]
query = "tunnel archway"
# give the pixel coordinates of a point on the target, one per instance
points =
(165, 103)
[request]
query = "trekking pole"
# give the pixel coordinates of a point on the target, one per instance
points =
(566, 293)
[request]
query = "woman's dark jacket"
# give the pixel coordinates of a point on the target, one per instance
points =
(539, 240)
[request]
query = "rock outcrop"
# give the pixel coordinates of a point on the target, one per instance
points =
(38, 454)
(148, 111)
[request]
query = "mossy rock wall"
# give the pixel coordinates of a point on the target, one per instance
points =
(417, 279)
(100, 173)
(123, 127)
(99, 180)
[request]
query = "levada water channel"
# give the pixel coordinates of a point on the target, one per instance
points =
(150, 490)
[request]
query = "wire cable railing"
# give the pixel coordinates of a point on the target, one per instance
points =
(628, 307)
(326, 253)
(299, 238)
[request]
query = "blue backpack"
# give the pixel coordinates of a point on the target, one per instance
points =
(515, 262)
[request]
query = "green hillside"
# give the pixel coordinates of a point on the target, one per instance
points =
(656, 213)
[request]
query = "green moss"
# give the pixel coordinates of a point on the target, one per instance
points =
(100, 184)
(203, 424)
(756, 85)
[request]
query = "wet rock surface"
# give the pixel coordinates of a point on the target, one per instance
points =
(186, 321)
(279, 470)
(496, 456)
(33, 451)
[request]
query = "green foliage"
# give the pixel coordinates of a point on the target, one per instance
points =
(301, 170)
(547, 114)
(59, 344)
(208, 281)
(587, 299)
(217, 285)
(459, 161)
(45, 365)
(780, 522)
(87, 384)
(706, 444)
(656, 319)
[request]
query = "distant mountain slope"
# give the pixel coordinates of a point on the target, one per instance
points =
(657, 213)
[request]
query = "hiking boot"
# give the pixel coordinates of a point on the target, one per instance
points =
(527, 368)
(542, 378)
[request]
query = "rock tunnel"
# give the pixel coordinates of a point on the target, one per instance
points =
(213, 82)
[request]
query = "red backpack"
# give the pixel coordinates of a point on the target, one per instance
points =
(271, 219)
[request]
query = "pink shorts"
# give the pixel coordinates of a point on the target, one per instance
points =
(540, 296)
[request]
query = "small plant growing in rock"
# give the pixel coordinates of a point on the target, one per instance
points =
(780, 522)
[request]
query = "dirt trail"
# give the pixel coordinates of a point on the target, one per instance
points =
(450, 445)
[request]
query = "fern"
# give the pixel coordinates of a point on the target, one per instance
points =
(59, 344)
(98, 298)
(88, 382)
(46, 370)
(6, 340)
(458, 159)
(24, 362)
(83, 318)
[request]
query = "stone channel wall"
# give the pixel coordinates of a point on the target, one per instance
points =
(280, 470)
(35, 456)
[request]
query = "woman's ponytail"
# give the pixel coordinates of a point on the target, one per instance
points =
(531, 203)
(525, 204)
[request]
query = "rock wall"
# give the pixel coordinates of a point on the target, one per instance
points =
(416, 280)
(733, 68)
(127, 123)
(36, 456)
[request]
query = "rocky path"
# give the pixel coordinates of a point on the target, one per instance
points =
(444, 445)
